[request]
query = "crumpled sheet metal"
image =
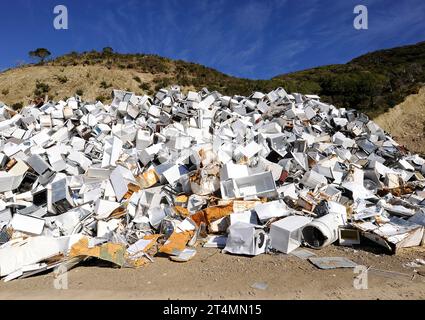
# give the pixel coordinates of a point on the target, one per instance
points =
(393, 236)
(111, 252)
(23, 252)
(332, 262)
(210, 214)
(148, 179)
(176, 243)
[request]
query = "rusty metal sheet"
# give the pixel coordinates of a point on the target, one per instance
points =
(148, 179)
(215, 213)
(182, 211)
(176, 243)
(111, 252)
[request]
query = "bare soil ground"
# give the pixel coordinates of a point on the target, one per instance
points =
(406, 122)
(213, 275)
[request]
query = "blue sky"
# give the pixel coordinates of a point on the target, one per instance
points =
(246, 38)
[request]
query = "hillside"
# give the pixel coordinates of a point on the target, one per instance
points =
(372, 83)
(94, 74)
(406, 122)
(95, 82)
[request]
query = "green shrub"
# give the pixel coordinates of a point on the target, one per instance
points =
(41, 88)
(62, 79)
(101, 98)
(17, 106)
(107, 51)
(144, 86)
(105, 85)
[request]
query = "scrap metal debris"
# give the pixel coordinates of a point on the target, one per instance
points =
(303, 253)
(332, 262)
(260, 285)
(150, 176)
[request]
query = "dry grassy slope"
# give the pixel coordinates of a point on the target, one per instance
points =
(406, 122)
(19, 83)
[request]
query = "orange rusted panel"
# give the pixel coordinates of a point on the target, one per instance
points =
(112, 252)
(176, 242)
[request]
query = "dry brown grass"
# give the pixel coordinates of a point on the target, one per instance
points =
(19, 84)
(406, 122)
